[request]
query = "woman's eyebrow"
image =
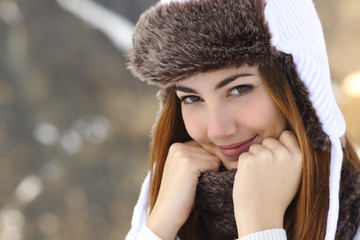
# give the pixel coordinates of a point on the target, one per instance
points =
(185, 89)
(218, 86)
(231, 79)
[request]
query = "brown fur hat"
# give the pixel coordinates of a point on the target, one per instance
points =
(175, 41)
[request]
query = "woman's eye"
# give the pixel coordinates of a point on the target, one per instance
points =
(239, 90)
(190, 99)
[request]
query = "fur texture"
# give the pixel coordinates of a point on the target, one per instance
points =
(214, 202)
(172, 42)
(349, 215)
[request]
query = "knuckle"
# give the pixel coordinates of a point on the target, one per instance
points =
(287, 136)
(179, 155)
(266, 153)
(281, 152)
(254, 148)
(186, 162)
(245, 162)
(244, 155)
(251, 149)
(267, 140)
(175, 147)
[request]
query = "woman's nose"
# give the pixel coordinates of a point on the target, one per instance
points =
(221, 124)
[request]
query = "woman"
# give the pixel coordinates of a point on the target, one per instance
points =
(250, 143)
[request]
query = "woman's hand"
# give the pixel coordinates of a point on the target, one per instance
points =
(184, 164)
(266, 182)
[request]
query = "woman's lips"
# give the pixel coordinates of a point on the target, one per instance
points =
(234, 150)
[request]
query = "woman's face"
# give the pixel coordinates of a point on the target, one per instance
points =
(226, 111)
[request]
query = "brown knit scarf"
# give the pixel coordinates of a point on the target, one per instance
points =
(216, 219)
(215, 204)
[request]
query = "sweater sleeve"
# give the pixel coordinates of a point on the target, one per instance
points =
(146, 234)
(271, 234)
(139, 230)
(357, 236)
(140, 213)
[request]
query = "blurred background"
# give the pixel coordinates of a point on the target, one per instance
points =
(75, 125)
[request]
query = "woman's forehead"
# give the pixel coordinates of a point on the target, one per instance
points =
(221, 75)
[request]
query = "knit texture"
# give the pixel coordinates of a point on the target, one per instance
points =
(296, 30)
(272, 234)
(214, 200)
(216, 209)
(299, 33)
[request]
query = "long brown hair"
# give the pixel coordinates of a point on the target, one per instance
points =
(306, 216)
(169, 129)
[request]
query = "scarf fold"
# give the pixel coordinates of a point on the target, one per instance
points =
(216, 210)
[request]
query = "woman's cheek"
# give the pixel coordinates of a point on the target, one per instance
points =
(195, 125)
